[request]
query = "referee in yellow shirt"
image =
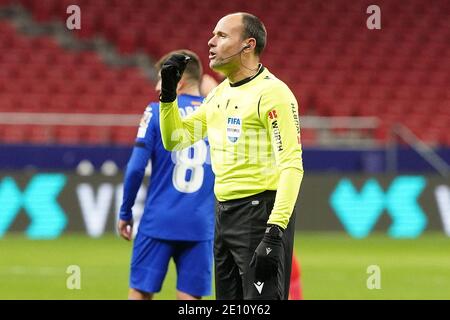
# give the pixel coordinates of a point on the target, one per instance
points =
(252, 124)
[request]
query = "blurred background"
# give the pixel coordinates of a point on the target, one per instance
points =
(375, 113)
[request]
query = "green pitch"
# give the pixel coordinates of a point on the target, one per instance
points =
(334, 266)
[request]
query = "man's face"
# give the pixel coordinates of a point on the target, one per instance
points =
(226, 42)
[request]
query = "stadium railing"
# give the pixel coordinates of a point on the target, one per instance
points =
(358, 132)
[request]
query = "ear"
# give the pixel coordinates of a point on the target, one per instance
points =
(181, 84)
(250, 45)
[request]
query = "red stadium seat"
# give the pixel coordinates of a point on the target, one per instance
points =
(98, 135)
(13, 134)
(68, 135)
(308, 137)
(124, 135)
(40, 134)
(346, 68)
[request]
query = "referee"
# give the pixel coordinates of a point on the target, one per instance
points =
(252, 123)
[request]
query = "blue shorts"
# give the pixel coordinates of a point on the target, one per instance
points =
(150, 261)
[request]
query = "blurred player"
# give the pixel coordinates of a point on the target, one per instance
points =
(178, 219)
(252, 124)
(208, 83)
(295, 289)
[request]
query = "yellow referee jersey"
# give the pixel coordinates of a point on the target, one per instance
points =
(254, 135)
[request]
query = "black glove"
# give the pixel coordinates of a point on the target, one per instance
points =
(171, 72)
(267, 254)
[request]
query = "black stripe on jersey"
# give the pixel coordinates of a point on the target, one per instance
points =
(244, 81)
(210, 98)
(259, 102)
(139, 144)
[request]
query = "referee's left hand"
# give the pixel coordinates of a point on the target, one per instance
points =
(266, 258)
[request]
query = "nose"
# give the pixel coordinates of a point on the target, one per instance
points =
(212, 42)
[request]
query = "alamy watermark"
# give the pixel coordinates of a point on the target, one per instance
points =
(239, 147)
(74, 20)
(374, 280)
(73, 281)
(374, 20)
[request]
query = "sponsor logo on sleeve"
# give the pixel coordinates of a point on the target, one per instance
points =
(273, 114)
(296, 121)
(276, 130)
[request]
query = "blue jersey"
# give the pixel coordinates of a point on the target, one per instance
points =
(180, 198)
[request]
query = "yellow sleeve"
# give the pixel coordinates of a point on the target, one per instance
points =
(279, 114)
(178, 133)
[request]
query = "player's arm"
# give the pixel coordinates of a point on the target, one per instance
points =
(279, 113)
(134, 173)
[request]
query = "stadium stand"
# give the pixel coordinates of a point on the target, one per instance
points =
(335, 65)
(39, 76)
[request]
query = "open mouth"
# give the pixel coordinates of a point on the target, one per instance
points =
(212, 55)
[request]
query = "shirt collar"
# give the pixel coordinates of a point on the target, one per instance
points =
(244, 81)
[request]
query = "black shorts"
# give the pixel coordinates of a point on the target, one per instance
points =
(240, 227)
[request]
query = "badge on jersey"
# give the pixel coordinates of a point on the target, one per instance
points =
(234, 128)
(145, 120)
(273, 119)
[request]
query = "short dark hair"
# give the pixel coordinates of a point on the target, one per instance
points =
(254, 28)
(193, 69)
